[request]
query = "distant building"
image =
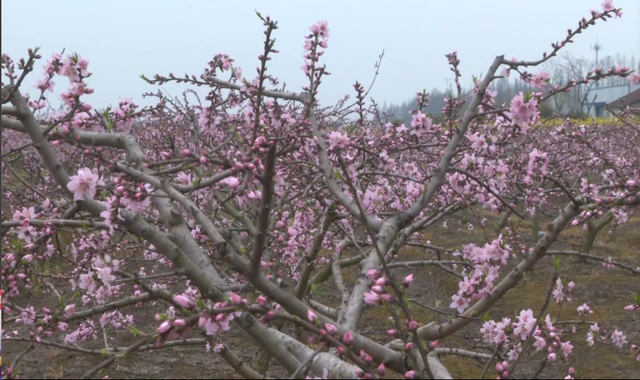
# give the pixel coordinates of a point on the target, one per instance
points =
(633, 100)
(601, 96)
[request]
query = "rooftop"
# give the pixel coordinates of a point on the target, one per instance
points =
(627, 100)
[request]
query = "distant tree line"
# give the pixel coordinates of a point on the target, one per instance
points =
(561, 70)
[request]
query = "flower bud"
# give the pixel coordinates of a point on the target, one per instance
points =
(311, 316)
(347, 339)
(331, 329)
(407, 281)
(382, 370)
(164, 327)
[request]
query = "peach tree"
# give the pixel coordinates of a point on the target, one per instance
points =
(228, 210)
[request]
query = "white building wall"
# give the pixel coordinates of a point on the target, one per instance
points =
(599, 96)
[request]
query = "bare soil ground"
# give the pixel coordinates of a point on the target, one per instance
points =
(607, 291)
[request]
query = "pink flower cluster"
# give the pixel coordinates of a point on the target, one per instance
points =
(420, 124)
(83, 184)
(218, 322)
(338, 140)
(486, 261)
(377, 293)
(540, 81)
(523, 113)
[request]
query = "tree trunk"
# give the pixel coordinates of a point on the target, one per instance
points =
(262, 358)
(503, 221)
(593, 227)
(535, 226)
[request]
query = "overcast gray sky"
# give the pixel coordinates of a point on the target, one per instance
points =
(123, 39)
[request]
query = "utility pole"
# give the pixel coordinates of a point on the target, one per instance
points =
(597, 47)
(448, 80)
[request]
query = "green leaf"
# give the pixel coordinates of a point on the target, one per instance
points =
(556, 264)
(338, 176)
(135, 331)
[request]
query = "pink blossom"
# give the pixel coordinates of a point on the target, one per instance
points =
(407, 281)
(311, 316)
(618, 338)
(348, 338)
(321, 28)
(632, 307)
(607, 5)
(28, 315)
(373, 274)
(377, 289)
(83, 184)
(262, 300)
(570, 286)
(540, 81)
(459, 302)
(185, 179)
(388, 298)
(87, 282)
(338, 140)
(70, 309)
(237, 300)
(566, 348)
(558, 293)
(184, 301)
(382, 281)
(164, 327)
(540, 343)
(371, 298)
(413, 325)
(522, 113)
(393, 333)
(410, 375)
(526, 324)
(232, 182)
(45, 85)
(331, 329)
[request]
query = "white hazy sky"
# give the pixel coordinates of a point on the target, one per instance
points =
(123, 39)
